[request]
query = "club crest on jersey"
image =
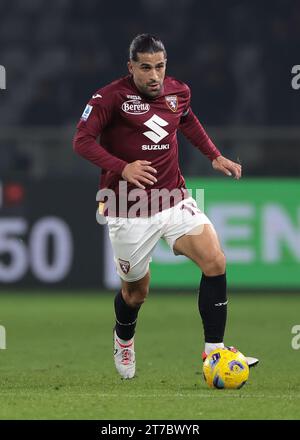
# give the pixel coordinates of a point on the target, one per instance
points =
(172, 102)
(124, 265)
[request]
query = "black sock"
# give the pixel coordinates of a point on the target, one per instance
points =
(126, 318)
(212, 304)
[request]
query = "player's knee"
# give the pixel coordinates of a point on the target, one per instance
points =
(220, 265)
(135, 301)
(135, 298)
(215, 264)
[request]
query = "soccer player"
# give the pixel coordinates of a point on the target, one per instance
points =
(137, 118)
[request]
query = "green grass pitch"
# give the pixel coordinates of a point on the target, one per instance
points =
(58, 362)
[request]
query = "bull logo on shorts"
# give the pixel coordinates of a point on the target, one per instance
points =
(124, 265)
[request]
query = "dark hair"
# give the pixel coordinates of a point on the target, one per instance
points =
(145, 43)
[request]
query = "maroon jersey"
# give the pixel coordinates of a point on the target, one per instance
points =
(134, 127)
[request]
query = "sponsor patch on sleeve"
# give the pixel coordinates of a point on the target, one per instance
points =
(86, 113)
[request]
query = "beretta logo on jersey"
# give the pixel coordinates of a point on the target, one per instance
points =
(172, 102)
(135, 107)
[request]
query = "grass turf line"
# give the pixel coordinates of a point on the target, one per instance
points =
(58, 363)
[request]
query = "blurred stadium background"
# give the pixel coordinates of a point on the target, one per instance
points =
(237, 58)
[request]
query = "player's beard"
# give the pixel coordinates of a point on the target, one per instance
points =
(152, 92)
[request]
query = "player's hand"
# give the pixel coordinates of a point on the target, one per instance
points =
(227, 167)
(139, 172)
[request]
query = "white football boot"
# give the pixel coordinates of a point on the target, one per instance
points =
(124, 357)
(251, 361)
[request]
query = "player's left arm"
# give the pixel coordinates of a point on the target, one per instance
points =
(192, 129)
(227, 167)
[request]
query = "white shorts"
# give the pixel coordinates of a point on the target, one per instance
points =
(133, 239)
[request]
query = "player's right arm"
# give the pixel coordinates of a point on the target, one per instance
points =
(138, 172)
(97, 114)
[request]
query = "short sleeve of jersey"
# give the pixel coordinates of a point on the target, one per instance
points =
(97, 113)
